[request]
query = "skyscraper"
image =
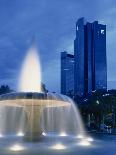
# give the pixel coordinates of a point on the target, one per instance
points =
(67, 73)
(90, 57)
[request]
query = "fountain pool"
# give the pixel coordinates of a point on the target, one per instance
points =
(29, 115)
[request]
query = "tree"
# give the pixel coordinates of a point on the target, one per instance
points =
(5, 89)
(43, 88)
(99, 106)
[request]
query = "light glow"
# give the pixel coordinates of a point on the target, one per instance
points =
(102, 31)
(30, 79)
(59, 147)
(1, 135)
(97, 102)
(16, 147)
(20, 134)
(44, 134)
(80, 136)
(84, 143)
(90, 139)
(63, 134)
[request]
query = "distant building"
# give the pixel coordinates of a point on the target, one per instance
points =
(67, 73)
(90, 57)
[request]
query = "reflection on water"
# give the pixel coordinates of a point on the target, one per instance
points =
(102, 145)
(16, 147)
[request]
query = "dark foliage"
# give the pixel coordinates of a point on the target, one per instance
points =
(5, 89)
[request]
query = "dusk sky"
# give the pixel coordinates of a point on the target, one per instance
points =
(52, 22)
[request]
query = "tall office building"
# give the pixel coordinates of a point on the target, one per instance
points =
(67, 73)
(90, 57)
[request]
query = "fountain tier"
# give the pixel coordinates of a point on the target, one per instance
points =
(33, 104)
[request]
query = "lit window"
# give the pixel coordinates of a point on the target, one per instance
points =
(77, 28)
(66, 69)
(71, 60)
(102, 31)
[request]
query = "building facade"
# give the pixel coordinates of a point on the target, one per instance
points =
(67, 73)
(90, 69)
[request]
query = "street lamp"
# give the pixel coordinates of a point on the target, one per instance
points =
(97, 102)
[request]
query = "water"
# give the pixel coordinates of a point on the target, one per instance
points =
(52, 120)
(63, 120)
(102, 145)
(48, 112)
(30, 77)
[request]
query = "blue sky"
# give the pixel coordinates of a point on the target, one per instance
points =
(53, 24)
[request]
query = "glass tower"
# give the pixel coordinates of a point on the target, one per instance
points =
(90, 57)
(67, 73)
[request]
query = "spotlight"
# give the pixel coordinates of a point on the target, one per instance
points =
(20, 134)
(16, 147)
(90, 139)
(80, 136)
(44, 134)
(84, 143)
(58, 147)
(63, 134)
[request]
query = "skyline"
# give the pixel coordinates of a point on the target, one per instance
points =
(54, 29)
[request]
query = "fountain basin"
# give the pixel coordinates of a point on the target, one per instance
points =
(33, 104)
(39, 99)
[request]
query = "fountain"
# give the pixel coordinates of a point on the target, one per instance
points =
(34, 102)
(35, 115)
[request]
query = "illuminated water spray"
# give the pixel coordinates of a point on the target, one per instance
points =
(30, 77)
(42, 112)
